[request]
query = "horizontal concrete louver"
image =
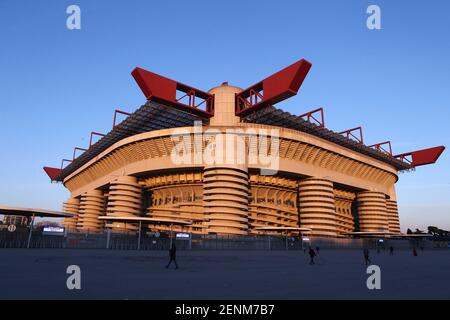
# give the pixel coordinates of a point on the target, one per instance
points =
(317, 207)
(71, 206)
(158, 147)
(393, 219)
(124, 200)
(92, 205)
(273, 203)
(344, 211)
(177, 196)
(372, 211)
(226, 194)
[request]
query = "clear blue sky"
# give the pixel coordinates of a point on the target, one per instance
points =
(57, 85)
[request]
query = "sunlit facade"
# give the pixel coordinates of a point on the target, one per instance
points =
(315, 178)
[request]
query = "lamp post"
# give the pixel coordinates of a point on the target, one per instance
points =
(108, 237)
(139, 235)
(170, 236)
(30, 232)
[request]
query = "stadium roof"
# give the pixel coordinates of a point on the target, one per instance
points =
(165, 109)
(28, 212)
(276, 117)
(155, 116)
(149, 117)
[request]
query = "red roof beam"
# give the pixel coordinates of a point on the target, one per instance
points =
(93, 133)
(164, 90)
(116, 112)
(312, 117)
(75, 152)
(349, 134)
(52, 173)
(384, 147)
(422, 157)
(276, 88)
(63, 161)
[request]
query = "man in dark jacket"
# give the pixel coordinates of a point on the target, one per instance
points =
(173, 256)
(366, 256)
(312, 254)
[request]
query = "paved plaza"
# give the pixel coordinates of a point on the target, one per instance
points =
(338, 274)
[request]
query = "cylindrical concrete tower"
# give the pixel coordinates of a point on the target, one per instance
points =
(317, 207)
(393, 220)
(92, 206)
(226, 185)
(225, 197)
(372, 213)
(224, 105)
(124, 200)
(71, 206)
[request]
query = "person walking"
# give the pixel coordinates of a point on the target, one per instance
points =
(173, 256)
(312, 254)
(366, 256)
(391, 250)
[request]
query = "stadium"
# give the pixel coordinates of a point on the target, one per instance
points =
(228, 162)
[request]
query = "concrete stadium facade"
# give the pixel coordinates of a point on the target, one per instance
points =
(318, 184)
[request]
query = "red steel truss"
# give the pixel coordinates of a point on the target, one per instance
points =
(422, 157)
(116, 112)
(164, 90)
(63, 161)
(75, 152)
(385, 147)
(350, 134)
(93, 133)
(278, 87)
(312, 117)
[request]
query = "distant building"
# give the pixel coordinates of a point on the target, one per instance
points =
(15, 220)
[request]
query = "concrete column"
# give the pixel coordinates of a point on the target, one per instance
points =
(92, 206)
(393, 219)
(317, 207)
(225, 196)
(71, 206)
(124, 200)
(226, 184)
(372, 211)
(224, 105)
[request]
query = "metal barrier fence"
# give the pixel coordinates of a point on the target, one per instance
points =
(131, 241)
(147, 242)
